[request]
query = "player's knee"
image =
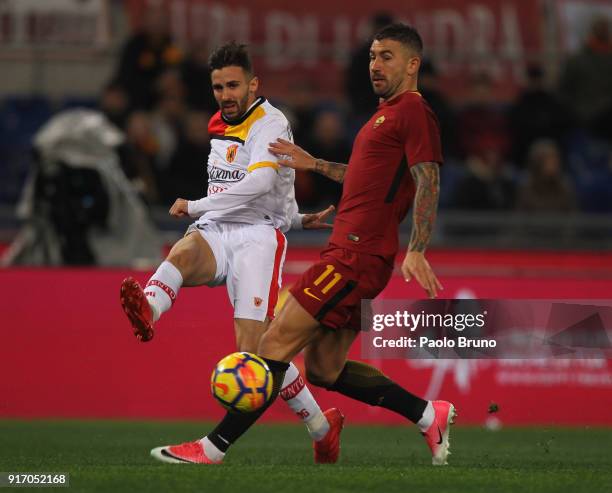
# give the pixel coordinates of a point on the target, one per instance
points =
(182, 259)
(188, 257)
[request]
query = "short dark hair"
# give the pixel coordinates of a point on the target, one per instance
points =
(230, 54)
(403, 33)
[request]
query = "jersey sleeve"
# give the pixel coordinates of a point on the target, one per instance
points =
(421, 134)
(266, 132)
(252, 186)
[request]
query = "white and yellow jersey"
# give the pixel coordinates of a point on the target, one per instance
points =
(240, 149)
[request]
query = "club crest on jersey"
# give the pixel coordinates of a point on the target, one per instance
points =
(257, 301)
(231, 153)
(379, 121)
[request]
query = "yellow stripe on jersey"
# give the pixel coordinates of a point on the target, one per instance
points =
(263, 164)
(242, 130)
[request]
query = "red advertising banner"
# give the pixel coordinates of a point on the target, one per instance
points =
(311, 42)
(66, 350)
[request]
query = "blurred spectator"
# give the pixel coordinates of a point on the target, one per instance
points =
(362, 99)
(487, 185)
(303, 108)
(168, 116)
(114, 103)
(537, 113)
(482, 125)
(546, 189)
(196, 79)
(166, 124)
(138, 155)
(169, 83)
(428, 87)
(187, 174)
(590, 163)
(145, 56)
(327, 142)
(586, 80)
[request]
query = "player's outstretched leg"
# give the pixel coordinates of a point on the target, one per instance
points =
(190, 262)
(367, 384)
(324, 428)
(211, 449)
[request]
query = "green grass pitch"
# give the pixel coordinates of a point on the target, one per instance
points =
(113, 456)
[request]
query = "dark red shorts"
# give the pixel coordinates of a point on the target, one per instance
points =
(332, 289)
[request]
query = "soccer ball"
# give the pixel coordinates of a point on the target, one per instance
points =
(241, 382)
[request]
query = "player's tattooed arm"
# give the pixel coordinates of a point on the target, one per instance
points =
(293, 156)
(427, 178)
(333, 171)
(415, 265)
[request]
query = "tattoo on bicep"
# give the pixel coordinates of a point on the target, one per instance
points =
(334, 171)
(427, 178)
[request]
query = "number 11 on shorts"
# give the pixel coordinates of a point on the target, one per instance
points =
(329, 269)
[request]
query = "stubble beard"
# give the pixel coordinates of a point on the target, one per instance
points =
(242, 108)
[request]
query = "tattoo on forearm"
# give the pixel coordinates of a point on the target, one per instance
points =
(427, 179)
(334, 171)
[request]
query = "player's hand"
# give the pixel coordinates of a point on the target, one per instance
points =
(415, 265)
(291, 155)
(317, 221)
(179, 208)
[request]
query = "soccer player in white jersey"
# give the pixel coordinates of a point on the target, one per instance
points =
(237, 240)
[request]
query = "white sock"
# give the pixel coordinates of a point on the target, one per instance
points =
(162, 288)
(212, 452)
(295, 393)
(428, 417)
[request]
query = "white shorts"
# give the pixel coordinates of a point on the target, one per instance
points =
(250, 261)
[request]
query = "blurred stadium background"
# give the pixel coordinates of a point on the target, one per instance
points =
(523, 93)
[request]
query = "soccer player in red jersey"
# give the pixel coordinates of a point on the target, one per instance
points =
(395, 161)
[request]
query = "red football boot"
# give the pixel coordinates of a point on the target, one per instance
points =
(185, 453)
(437, 434)
(327, 450)
(137, 308)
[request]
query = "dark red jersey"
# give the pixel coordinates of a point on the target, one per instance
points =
(378, 186)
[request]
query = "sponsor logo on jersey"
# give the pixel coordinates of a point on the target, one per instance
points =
(257, 301)
(230, 155)
(219, 174)
(379, 121)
